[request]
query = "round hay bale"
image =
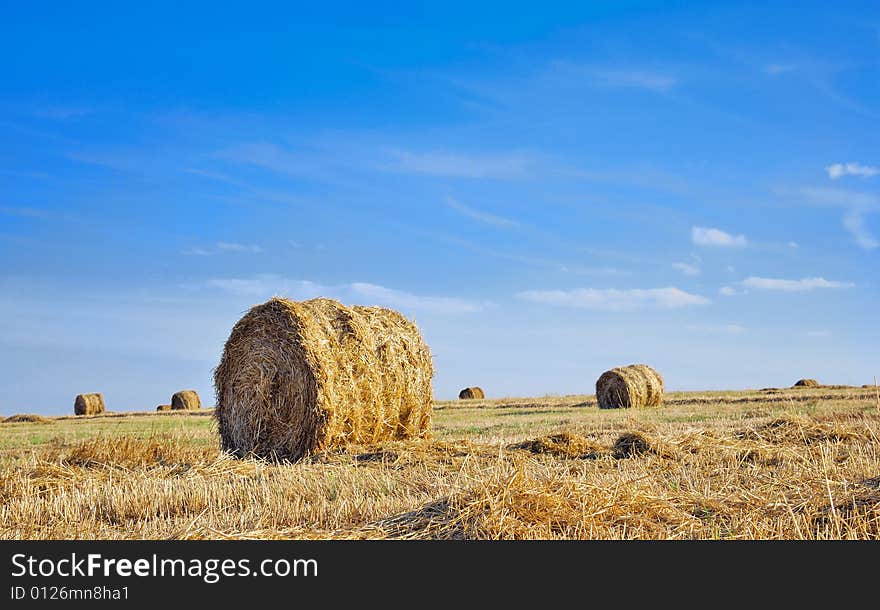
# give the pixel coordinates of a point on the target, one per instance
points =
(163, 407)
(471, 393)
(186, 400)
(806, 383)
(89, 404)
(636, 385)
(296, 378)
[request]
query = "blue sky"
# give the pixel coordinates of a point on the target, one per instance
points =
(549, 190)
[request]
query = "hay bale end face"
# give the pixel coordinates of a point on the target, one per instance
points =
(299, 377)
(636, 385)
(163, 408)
(89, 404)
(471, 393)
(186, 400)
(806, 383)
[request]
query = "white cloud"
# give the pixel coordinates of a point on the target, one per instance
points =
(728, 329)
(223, 246)
(775, 69)
(854, 222)
(616, 300)
(686, 268)
(841, 197)
(808, 283)
(838, 170)
(269, 156)
(23, 212)
(818, 333)
(485, 217)
(405, 300)
(233, 247)
(705, 236)
(457, 165)
(267, 285)
(637, 79)
(727, 291)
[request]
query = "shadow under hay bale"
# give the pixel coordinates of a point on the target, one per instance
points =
(186, 400)
(89, 404)
(471, 393)
(163, 407)
(806, 383)
(297, 378)
(634, 444)
(27, 418)
(636, 385)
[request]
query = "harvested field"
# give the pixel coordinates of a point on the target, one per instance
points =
(706, 466)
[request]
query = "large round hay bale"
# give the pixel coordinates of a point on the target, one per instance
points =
(163, 407)
(470, 393)
(636, 385)
(186, 400)
(296, 378)
(806, 383)
(89, 404)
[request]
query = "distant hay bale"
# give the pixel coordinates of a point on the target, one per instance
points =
(163, 408)
(186, 400)
(636, 385)
(470, 393)
(89, 404)
(297, 378)
(29, 418)
(806, 383)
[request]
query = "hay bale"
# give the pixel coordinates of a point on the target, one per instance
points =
(636, 385)
(27, 418)
(186, 400)
(163, 407)
(89, 404)
(296, 378)
(806, 383)
(471, 393)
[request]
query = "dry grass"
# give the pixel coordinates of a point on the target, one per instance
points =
(298, 378)
(802, 469)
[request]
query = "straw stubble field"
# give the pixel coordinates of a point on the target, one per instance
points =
(794, 464)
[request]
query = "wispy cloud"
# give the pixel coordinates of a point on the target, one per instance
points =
(705, 236)
(838, 170)
(725, 329)
(24, 212)
(801, 285)
(223, 246)
(458, 165)
(687, 268)
(405, 300)
(639, 79)
(267, 285)
(485, 217)
(268, 156)
(775, 69)
(61, 113)
(728, 291)
(857, 206)
(819, 333)
(854, 222)
(616, 300)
